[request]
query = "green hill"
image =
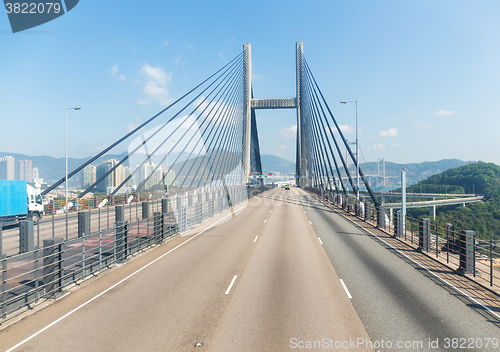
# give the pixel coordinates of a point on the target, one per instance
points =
(482, 178)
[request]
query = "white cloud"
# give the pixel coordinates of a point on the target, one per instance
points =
(116, 74)
(444, 112)
(391, 132)
(165, 43)
(378, 146)
(156, 73)
(155, 86)
(288, 133)
(346, 129)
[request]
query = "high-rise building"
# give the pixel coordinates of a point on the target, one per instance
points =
(7, 168)
(101, 170)
(88, 176)
(146, 172)
(126, 173)
(35, 173)
(167, 176)
(24, 170)
(36, 176)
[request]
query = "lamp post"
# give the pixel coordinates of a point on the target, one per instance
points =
(357, 145)
(168, 167)
(66, 153)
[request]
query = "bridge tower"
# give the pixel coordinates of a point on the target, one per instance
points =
(250, 104)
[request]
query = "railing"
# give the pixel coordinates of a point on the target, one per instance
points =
(44, 271)
(460, 250)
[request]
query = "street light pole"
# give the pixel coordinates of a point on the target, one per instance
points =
(357, 145)
(66, 156)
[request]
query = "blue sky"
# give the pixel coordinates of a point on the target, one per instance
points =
(426, 73)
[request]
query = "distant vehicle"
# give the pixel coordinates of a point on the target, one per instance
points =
(287, 187)
(19, 201)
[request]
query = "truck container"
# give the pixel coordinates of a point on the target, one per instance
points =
(19, 201)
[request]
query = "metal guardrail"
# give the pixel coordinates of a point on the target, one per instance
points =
(460, 249)
(28, 278)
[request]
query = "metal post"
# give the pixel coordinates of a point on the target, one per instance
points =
(424, 236)
(121, 240)
(403, 199)
(52, 265)
(119, 213)
(467, 252)
(4, 285)
(83, 224)
(491, 262)
(145, 210)
(26, 236)
(158, 226)
(164, 205)
(381, 217)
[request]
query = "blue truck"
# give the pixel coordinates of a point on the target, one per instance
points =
(19, 201)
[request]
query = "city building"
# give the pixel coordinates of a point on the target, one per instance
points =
(146, 177)
(36, 177)
(88, 176)
(101, 170)
(7, 168)
(24, 170)
(168, 176)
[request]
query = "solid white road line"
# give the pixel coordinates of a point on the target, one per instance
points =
(320, 241)
(255, 240)
(265, 221)
(310, 222)
(231, 284)
(118, 283)
(345, 288)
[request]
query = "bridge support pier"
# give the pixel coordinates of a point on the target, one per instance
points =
(432, 212)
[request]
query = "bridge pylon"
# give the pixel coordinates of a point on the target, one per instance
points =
(250, 105)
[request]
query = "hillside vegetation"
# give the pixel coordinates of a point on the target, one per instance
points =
(483, 217)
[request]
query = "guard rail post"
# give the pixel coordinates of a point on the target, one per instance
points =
(3, 257)
(52, 266)
(119, 213)
(26, 236)
(145, 210)
(467, 252)
(164, 205)
(424, 234)
(121, 241)
(158, 226)
(83, 223)
(381, 217)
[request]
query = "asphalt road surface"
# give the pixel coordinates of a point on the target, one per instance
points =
(260, 281)
(397, 300)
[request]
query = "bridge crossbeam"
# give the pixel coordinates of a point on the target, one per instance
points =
(274, 103)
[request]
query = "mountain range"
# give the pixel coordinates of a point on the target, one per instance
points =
(52, 169)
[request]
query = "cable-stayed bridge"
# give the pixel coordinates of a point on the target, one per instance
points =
(198, 255)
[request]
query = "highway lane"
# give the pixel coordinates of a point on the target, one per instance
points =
(253, 283)
(393, 297)
(50, 227)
